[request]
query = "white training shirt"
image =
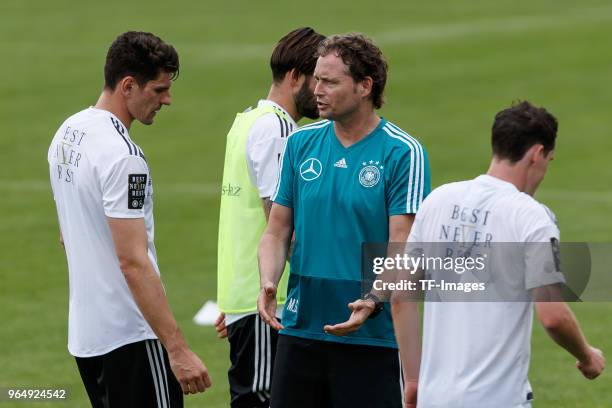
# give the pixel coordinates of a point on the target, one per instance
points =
(96, 172)
(476, 354)
(264, 147)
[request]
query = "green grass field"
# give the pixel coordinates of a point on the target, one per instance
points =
(452, 66)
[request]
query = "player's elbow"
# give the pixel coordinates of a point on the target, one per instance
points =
(396, 302)
(401, 303)
(554, 321)
(131, 265)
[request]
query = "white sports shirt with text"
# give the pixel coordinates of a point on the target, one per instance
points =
(96, 172)
(476, 354)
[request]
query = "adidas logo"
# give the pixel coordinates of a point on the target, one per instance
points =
(341, 163)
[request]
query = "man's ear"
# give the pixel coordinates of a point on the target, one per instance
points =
(536, 153)
(296, 79)
(365, 86)
(126, 85)
(295, 75)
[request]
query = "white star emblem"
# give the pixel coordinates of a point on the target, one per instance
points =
(371, 161)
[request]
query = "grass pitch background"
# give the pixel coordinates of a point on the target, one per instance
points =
(452, 66)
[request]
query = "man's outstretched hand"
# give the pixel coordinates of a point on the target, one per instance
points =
(362, 309)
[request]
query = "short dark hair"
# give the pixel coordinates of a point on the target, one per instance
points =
(517, 128)
(296, 50)
(141, 55)
(363, 58)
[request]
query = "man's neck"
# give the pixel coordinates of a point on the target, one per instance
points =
(283, 98)
(512, 173)
(355, 127)
(109, 102)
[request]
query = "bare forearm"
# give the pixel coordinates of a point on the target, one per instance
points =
(272, 256)
(148, 292)
(406, 323)
(399, 229)
(564, 330)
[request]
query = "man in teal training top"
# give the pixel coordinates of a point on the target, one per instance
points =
(351, 179)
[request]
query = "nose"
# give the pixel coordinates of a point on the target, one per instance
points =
(166, 99)
(318, 91)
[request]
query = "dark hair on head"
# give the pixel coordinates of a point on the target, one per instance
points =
(141, 55)
(517, 128)
(296, 50)
(363, 58)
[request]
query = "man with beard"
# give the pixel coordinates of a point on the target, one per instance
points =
(254, 147)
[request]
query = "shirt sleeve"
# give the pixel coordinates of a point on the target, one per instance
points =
(414, 246)
(409, 183)
(415, 230)
(124, 188)
(542, 256)
(265, 144)
(284, 188)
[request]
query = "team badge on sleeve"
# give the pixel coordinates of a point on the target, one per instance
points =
(137, 184)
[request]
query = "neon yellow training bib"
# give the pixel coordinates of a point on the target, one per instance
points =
(241, 224)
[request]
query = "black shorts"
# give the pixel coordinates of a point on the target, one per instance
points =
(252, 351)
(321, 374)
(132, 376)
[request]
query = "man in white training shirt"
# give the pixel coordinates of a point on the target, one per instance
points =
(476, 354)
(255, 144)
(127, 344)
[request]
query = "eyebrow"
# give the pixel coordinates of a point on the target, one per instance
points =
(327, 78)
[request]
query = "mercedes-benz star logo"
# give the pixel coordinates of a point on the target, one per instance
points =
(311, 169)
